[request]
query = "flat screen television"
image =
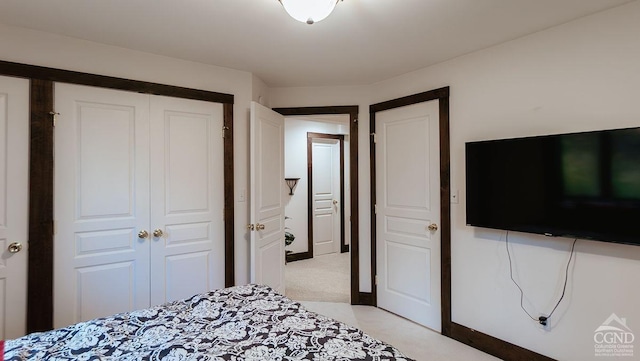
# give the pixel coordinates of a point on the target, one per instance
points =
(580, 185)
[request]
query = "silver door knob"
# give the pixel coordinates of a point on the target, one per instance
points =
(433, 227)
(15, 247)
(335, 202)
(157, 232)
(143, 234)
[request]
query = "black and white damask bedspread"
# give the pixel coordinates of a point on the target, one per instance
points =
(239, 323)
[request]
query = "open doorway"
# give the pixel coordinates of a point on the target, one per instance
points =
(319, 125)
(316, 209)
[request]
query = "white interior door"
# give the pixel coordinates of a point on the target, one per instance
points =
(267, 195)
(408, 212)
(326, 195)
(101, 203)
(187, 198)
(14, 205)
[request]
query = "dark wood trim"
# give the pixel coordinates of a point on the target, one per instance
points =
(343, 220)
(441, 94)
(337, 110)
(102, 81)
(309, 198)
(354, 240)
(229, 192)
(445, 213)
(410, 100)
(292, 257)
(493, 346)
(352, 111)
(365, 299)
(40, 264)
(343, 217)
(373, 202)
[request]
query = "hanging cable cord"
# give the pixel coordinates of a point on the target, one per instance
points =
(542, 319)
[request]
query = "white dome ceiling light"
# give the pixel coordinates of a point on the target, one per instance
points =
(309, 11)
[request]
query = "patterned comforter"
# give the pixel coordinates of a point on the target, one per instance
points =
(239, 323)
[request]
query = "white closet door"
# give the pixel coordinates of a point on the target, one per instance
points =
(187, 198)
(101, 203)
(14, 205)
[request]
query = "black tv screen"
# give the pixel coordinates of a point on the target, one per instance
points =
(579, 185)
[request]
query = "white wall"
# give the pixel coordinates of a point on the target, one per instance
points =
(295, 149)
(260, 91)
(583, 75)
(43, 49)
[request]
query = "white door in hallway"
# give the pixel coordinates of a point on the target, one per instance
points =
(408, 212)
(326, 195)
(267, 197)
(14, 205)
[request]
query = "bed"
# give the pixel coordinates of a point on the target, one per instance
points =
(250, 322)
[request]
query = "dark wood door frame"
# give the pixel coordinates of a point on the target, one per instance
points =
(41, 172)
(340, 138)
(464, 334)
(357, 297)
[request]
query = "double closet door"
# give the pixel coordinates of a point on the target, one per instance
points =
(139, 197)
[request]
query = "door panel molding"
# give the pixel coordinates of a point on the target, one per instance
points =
(357, 297)
(40, 267)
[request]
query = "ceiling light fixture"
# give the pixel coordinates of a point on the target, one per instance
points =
(309, 11)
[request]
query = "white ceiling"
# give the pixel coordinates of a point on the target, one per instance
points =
(362, 42)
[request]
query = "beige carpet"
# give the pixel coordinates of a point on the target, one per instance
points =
(415, 341)
(325, 278)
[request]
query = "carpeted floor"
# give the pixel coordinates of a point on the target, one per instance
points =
(415, 341)
(325, 278)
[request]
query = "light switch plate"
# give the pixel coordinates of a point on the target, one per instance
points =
(454, 196)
